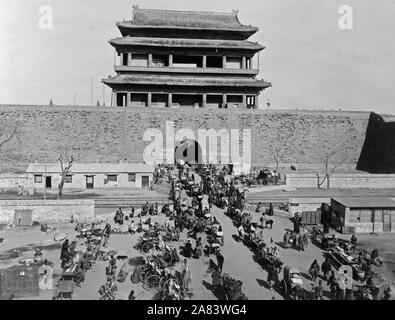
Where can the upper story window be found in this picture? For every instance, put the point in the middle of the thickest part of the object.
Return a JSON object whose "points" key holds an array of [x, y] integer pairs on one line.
{"points": [[68, 179], [233, 62], [139, 60], [214, 62], [159, 60], [187, 61], [124, 58]]}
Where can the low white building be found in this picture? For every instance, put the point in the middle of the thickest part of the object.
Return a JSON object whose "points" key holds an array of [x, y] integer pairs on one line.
{"points": [[92, 175]]}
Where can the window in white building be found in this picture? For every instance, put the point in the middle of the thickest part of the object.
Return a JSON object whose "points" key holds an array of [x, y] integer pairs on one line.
{"points": [[68, 179], [112, 178], [132, 177], [38, 178]]}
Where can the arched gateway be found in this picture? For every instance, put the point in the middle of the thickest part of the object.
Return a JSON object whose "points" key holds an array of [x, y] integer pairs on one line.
{"points": [[188, 151]]}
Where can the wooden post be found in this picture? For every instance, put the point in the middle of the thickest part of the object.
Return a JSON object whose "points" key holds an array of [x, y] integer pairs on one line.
{"points": [[244, 101], [256, 102], [149, 99], [45, 182], [169, 100], [224, 62], [128, 99], [204, 62], [223, 100], [243, 63], [150, 60], [204, 100], [170, 60]]}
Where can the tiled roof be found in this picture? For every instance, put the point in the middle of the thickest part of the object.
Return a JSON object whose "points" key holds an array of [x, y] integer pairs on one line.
{"points": [[186, 81], [186, 19], [366, 202], [93, 168], [185, 43]]}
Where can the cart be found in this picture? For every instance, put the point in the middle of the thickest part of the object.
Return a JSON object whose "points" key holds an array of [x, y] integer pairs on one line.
{"points": [[232, 288], [292, 283], [65, 286]]}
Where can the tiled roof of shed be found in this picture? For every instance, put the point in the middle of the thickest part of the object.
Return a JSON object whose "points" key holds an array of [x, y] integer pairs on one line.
{"points": [[366, 202], [185, 43]]}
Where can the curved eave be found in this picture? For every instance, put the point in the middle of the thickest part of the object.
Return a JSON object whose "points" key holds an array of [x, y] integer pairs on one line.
{"points": [[190, 82], [215, 44], [245, 29]]}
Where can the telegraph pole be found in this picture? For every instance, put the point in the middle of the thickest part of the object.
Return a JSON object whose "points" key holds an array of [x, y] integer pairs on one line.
{"points": [[103, 95], [91, 91], [45, 182]]}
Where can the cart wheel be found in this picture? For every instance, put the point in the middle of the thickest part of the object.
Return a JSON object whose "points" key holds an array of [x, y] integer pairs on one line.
{"points": [[147, 247], [156, 263], [152, 282], [162, 283], [167, 257], [145, 274]]}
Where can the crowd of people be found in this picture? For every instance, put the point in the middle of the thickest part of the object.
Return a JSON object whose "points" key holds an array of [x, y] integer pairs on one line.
{"points": [[194, 192]]}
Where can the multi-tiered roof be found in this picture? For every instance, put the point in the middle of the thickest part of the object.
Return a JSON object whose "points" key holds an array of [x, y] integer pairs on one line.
{"points": [[187, 33]]}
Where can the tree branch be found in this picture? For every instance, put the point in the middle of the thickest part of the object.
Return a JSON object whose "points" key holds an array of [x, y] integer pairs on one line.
{"points": [[13, 133]]}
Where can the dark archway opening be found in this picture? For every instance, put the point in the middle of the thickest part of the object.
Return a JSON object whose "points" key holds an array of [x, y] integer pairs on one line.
{"points": [[188, 151]]}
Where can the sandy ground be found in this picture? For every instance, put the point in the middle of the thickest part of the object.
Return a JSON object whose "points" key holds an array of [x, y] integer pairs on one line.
{"points": [[240, 262]]}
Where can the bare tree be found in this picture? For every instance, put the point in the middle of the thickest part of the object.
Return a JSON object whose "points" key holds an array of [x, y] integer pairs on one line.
{"points": [[66, 159], [337, 147], [277, 152], [331, 161], [7, 133]]}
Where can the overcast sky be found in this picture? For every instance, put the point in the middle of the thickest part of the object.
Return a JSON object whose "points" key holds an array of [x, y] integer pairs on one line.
{"points": [[310, 61]]}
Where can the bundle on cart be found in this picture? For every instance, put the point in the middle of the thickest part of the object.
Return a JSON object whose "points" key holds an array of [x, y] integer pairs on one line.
{"points": [[171, 289], [232, 288]]}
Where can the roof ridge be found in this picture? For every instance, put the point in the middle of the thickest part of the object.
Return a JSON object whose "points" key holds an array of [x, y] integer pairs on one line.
{"points": [[191, 11]]}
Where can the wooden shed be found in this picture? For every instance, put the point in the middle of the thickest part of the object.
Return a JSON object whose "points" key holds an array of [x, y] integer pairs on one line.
{"points": [[363, 214]]}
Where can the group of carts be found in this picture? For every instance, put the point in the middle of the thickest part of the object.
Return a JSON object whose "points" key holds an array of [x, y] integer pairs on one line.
{"points": [[74, 270]]}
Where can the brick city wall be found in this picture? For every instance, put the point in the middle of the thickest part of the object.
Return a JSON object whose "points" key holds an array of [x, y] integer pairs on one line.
{"points": [[377, 155], [106, 134], [342, 181]]}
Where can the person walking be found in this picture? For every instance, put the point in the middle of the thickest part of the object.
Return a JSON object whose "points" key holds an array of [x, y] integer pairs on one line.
{"points": [[272, 276], [106, 234], [286, 239], [64, 253], [326, 269], [319, 291], [220, 261], [314, 270], [333, 285], [300, 243], [186, 276], [199, 248], [305, 240], [216, 275], [343, 282]]}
